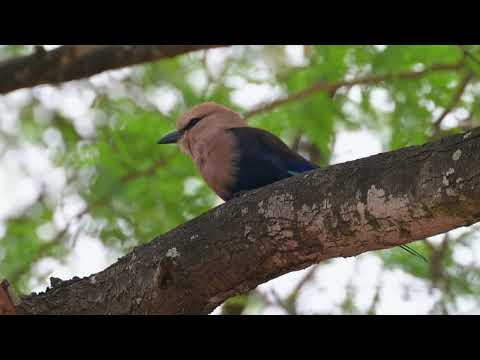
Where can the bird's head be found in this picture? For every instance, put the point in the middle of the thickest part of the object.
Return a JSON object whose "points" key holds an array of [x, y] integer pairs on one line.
{"points": [[201, 122]]}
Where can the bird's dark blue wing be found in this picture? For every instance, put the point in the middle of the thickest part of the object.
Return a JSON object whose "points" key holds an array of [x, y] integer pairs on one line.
{"points": [[262, 159]]}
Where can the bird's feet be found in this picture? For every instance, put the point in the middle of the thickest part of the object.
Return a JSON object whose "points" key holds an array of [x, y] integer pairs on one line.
{"points": [[240, 194]]}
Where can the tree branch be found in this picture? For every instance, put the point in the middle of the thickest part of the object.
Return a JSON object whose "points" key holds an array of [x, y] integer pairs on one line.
{"points": [[340, 211], [332, 87], [7, 305], [73, 62]]}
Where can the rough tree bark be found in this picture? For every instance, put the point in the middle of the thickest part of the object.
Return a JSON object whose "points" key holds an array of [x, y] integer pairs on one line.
{"points": [[344, 210], [72, 62]]}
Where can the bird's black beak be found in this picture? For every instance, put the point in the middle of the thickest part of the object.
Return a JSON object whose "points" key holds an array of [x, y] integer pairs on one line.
{"points": [[171, 138]]}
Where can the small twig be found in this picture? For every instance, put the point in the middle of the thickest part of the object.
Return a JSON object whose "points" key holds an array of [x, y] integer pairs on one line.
{"points": [[376, 298], [289, 304], [210, 78], [436, 265], [467, 53], [455, 100], [281, 303], [304, 281], [297, 140]]}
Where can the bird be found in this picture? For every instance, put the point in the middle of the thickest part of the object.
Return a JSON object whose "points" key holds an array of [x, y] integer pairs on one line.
{"points": [[232, 157]]}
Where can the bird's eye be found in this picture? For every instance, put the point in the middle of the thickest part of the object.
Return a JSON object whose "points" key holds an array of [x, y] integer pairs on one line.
{"points": [[193, 122]]}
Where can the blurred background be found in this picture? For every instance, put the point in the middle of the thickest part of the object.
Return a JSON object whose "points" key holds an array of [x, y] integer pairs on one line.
{"points": [[82, 180]]}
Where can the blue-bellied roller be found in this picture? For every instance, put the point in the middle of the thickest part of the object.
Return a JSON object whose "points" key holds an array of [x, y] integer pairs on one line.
{"points": [[232, 157]]}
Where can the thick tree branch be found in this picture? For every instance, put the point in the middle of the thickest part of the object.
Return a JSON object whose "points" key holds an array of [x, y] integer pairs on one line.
{"points": [[73, 62], [344, 210]]}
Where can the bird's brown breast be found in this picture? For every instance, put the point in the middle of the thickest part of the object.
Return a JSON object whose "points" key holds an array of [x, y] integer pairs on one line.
{"points": [[214, 157]]}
